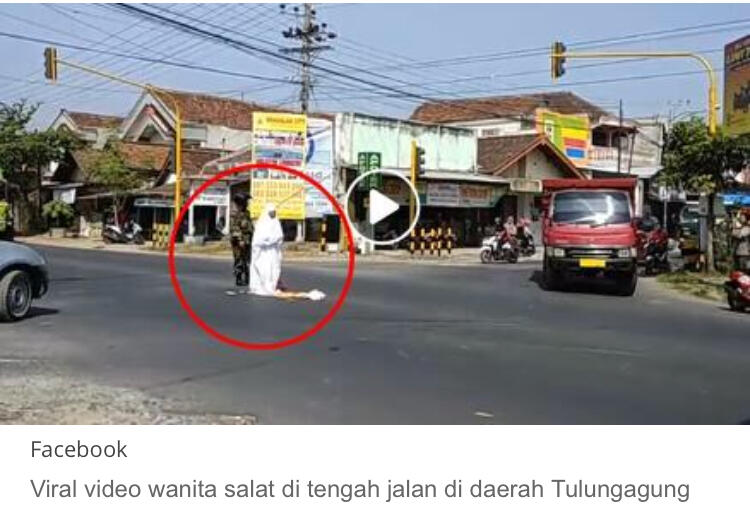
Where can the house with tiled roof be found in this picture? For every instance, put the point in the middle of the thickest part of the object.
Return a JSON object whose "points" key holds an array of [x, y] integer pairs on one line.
{"points": [[614, 145], [92, 128]]}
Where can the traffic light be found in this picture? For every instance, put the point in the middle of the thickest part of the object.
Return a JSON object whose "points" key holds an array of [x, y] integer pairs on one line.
{"points": [[418, 156], [50, 63], [558, 60]]}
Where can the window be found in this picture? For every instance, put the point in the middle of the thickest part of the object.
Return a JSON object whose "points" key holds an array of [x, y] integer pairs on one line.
{"points": [[591, 207]]}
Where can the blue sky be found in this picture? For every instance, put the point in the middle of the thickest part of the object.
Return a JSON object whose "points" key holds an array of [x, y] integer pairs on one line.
{"points": [[432, 50]]}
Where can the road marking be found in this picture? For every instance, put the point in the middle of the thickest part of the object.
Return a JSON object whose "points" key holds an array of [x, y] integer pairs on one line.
{"points": [[484, 414]]}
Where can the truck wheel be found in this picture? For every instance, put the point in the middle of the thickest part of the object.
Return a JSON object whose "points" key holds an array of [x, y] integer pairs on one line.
{"points": [[551, 280], [627, 284], [15, 296]]}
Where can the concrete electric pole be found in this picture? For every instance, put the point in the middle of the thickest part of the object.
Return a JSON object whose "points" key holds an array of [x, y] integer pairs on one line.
{"points": [[310, 35]]}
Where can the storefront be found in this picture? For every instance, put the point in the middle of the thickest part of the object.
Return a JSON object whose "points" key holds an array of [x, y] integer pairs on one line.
{"points": [[468, 204]]}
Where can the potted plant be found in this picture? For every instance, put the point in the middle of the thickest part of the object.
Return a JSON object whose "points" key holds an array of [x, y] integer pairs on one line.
{"points": [[59, 215]]}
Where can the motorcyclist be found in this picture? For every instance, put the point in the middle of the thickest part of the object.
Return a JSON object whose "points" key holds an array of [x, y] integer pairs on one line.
{"points": [[741, 236], [241, 234]]}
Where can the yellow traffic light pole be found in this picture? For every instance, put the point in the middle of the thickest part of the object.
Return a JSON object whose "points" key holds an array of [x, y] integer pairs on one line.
{"points": [[413, 178], [151, 89], [713, 104]]}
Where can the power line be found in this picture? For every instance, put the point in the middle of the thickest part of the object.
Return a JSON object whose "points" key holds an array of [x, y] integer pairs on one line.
{"points": [[142, 58]]}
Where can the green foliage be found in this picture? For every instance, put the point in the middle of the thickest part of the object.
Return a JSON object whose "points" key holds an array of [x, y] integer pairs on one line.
{"points": [[697, 162], [24, 152], [110, 171], [58, 214]]}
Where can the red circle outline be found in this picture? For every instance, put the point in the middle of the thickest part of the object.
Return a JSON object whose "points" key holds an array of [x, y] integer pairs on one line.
{"points": [[261, 346]]}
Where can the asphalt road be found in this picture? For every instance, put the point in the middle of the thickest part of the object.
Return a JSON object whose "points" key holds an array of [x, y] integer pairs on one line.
{"points": [[412, 344]]}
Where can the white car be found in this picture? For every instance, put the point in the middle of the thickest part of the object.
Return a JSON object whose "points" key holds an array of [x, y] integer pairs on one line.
{"points": [[23, 277]]}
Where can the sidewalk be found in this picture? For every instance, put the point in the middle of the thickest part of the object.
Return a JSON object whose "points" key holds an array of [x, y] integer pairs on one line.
{"points": [[293, 252]]}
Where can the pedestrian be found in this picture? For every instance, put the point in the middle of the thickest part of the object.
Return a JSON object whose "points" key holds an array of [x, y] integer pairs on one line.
{"points": [[241, 234]]}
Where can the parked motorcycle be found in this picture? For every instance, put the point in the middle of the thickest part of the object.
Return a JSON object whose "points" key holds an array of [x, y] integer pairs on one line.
{"points": [[132, 233], [499, 249], [738, 291]]}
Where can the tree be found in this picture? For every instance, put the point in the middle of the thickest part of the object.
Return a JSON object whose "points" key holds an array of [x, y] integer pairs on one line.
{"points": [[694, 161], [58, 214], [24, 153], [110, 171]]}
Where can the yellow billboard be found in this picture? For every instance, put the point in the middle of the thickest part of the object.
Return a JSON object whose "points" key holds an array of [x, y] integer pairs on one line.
{"points": [[737, 87], [278, 138], [570, 133], [279, 122]]}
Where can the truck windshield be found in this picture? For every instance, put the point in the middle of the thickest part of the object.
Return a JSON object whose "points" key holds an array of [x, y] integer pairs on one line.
{"points": [[591, 207]]}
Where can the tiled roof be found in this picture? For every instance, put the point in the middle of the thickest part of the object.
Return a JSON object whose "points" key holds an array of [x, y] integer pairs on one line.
{"points": [[144, 156], [496, 154], [213, 110], [138, 156], [193, 160], [472, 109], [92, 120]]}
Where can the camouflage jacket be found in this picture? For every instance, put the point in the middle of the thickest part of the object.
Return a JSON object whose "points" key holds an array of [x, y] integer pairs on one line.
{"points": [[241, 229]]}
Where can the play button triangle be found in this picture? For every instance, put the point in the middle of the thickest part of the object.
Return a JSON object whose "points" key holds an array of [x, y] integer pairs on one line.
{"points": [[381, 206]]}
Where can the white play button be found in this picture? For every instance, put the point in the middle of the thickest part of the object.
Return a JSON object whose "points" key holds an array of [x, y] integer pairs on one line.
{"points": [[381, 206]]}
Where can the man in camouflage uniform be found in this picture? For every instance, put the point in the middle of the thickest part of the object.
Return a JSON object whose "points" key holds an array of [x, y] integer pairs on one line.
{"points": [[241, 235]]}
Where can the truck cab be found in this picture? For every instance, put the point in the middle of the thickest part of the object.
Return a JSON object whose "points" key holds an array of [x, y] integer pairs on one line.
{"points": [[588, 230]]}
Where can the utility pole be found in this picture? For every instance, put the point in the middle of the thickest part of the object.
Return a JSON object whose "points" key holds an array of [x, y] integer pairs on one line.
{"points": [[310, 35]]}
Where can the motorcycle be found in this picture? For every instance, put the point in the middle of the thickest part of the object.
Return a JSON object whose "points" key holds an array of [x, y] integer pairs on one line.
{"points": [[131, 233], [656, 252], [499, 248], [738, 291], [525, 238]]}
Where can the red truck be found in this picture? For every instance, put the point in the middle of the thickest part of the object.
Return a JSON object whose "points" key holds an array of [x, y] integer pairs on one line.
{"points": [[589, 230]]}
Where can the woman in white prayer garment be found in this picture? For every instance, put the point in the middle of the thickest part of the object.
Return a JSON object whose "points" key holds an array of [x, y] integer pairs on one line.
{"points": [[265, 269], [266, 253]]}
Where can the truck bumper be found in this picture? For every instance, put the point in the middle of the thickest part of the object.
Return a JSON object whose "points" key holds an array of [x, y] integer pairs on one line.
{"points": [[580, 265]]}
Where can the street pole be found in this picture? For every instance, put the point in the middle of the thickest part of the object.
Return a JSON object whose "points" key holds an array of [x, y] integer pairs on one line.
{"points": [[413, 179], [713, 104], [178, 121]]}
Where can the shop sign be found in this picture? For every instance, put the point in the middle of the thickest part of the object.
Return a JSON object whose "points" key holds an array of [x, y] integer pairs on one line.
{"points": [[278, 138], [369, 161], [440, 194], [153, 203], [216, 196], [475, 196], [526, 185]]}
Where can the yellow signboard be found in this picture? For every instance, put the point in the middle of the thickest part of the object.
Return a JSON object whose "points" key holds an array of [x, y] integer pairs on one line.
{"points": [[279, 122], [279, 138], [288, 196], [737, 87], [570, 133]]}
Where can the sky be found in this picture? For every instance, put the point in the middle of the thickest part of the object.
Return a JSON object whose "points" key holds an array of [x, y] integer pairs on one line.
{"points": [[418, 51]]}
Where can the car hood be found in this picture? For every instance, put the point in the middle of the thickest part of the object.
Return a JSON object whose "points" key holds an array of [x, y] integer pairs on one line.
{"points": [[583, 235], [14, 253]]}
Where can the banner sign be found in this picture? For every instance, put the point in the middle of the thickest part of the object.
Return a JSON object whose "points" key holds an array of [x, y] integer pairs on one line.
{"points": [[215, 196], [319, 166], [280, 139], [369, 161], [441, 194], [568, 132], [737, 87], [475, 196]]}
